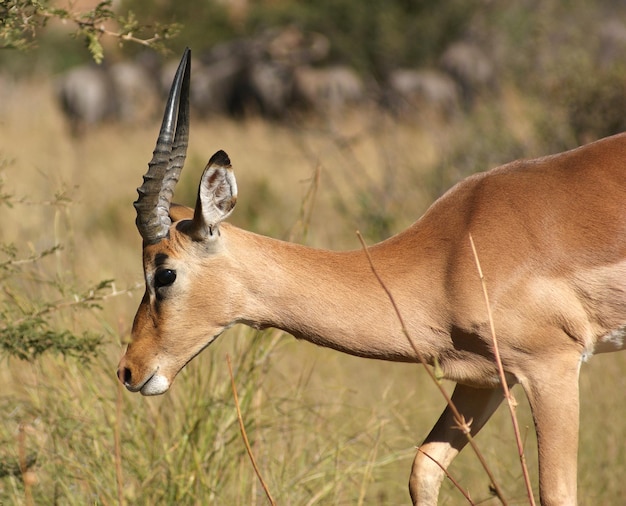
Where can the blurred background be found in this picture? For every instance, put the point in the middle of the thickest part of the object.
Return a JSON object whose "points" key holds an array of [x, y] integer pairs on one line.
{"points": [[338, 116]]}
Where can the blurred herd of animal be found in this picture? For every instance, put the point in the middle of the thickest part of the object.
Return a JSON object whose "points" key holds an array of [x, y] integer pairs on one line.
{"points": [[275, 75]]}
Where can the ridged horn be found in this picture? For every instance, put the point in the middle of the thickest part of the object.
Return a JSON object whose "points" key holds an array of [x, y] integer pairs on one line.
{"points": [[155, 194]]}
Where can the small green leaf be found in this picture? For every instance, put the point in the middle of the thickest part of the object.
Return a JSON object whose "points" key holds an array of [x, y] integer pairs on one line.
{"points": [[95, 48]]}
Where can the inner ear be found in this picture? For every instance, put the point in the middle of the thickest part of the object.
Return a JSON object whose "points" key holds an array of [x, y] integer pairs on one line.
{"points": [[178, 212], [217, 196]]}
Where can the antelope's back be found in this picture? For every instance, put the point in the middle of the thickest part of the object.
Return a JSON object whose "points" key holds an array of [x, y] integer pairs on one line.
{"points": [[563, 211]]}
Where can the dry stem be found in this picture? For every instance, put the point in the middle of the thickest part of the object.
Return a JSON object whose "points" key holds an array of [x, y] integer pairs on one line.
{"points": [[462, 424], [507, 393], [450, 477], [118, 445], [245, 436], [21, 448]]}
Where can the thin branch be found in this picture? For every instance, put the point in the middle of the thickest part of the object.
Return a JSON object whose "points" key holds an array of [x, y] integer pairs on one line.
{"points": [[512, 403], [462, 424], [129, 37], [450, 477], [27, 17], [245, 436], [35, 257], [119, 473], [92, 296], [94, 20], [117, 436], [306, 207], [24, 469]]}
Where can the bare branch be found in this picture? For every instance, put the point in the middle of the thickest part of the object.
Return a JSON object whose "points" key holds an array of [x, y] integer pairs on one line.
{"points": [[22, 20], [459, 419], [512, 403], [450, 477], [245, 436]]}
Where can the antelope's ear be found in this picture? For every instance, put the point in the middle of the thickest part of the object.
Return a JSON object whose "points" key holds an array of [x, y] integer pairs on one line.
{"points": [[217, 196]]}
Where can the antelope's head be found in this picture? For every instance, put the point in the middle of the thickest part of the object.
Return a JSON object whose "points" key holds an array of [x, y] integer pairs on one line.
{"points": [[171, 325]]}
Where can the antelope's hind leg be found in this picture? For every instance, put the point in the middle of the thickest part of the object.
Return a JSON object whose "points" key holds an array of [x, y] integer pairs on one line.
{"points": [[445, 441]]}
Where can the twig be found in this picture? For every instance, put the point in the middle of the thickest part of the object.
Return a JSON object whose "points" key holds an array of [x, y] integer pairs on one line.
{"points": [[507, 393], [450, 477], [82, 21], [307, 205], [126, 37], [245, 436], [26, 479], [367, 474], [34, 258], [462, 424], [92, 296], [118, 445]]}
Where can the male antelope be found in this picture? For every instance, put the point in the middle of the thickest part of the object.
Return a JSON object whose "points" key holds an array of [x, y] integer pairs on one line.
{"points": [[551, 238]]}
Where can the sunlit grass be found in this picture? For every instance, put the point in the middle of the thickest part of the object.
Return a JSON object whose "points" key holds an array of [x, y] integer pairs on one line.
{"points": [[325, 428]]}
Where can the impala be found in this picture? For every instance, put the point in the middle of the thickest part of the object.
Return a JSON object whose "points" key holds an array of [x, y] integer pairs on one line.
{"points": [[551, 237]]}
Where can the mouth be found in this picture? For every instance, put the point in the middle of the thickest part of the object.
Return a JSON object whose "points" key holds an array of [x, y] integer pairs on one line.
{"points": [[155, 384]]}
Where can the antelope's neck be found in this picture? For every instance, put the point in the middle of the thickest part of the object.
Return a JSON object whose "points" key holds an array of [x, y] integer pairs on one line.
{"points": [[332, 299]]}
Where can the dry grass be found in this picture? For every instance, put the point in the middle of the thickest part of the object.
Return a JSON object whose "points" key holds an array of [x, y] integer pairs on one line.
{"points": [[325, 428]]}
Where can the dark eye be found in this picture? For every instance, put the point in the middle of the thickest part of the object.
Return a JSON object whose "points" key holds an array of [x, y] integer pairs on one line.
{"points": [[164, 277]]}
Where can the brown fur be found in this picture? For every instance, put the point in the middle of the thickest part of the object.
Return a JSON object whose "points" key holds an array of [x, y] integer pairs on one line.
{"points": [[551, 238]]}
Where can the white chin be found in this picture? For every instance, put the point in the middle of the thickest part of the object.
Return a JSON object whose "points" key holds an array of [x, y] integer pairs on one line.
{"points": [[156, 385]]}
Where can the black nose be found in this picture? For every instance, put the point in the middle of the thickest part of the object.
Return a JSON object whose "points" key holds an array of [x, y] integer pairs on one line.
{"points": [[124, 375]]}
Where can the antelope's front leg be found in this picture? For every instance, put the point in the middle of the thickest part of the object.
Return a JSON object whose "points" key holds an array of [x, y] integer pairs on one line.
{"points": [[445, 441], [553, 393]]}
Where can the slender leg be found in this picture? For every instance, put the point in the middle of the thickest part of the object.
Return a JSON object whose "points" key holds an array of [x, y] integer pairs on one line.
{"points": [[444, 441], [554, 399]]}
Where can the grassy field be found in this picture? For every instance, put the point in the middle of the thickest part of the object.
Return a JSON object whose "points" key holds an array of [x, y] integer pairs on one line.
{"points": [[325, 428]]}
